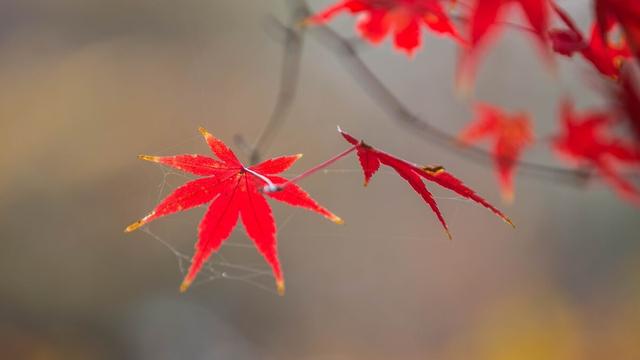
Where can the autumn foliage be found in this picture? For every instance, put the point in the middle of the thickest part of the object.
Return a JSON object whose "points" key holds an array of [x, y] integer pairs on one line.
{"points": [[402, 18], [586, 140], [371, 159], [607, 57], [603, 142], [610, 47], [233, 191]]}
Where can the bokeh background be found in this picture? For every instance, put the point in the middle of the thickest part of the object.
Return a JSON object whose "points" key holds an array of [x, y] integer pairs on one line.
{"points": [[86, 85]]}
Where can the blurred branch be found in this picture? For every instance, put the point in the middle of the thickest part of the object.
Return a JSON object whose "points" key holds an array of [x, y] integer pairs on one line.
{"points": [[293, 38]]}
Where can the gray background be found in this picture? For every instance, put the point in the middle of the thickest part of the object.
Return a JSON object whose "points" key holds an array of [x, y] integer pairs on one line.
{"points": [[86, 85]]}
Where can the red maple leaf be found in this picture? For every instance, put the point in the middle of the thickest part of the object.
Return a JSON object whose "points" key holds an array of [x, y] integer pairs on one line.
{"points": [[234, 190], [604, 55], [402, 17], [586, 141], [624, 12], [371, 159], [485, 21], [511, 134]]}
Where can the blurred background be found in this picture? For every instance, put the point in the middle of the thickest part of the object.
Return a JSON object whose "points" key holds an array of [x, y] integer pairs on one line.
{"points": [[87, 85]]}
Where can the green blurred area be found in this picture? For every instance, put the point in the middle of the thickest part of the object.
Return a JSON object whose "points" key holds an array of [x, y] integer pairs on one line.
{"points": [[87, 85]]}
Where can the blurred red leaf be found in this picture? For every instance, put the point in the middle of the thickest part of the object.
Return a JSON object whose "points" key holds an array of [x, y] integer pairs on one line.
{"points": [[403, 18], [624, 12], [371, 159], [234, 191], [605, 56], [487, 18], [586, 141], [511, 134]]}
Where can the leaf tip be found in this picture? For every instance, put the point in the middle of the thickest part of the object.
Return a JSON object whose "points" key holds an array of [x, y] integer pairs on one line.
{"points": [[508, 221], [134, 226], [185, 285], [446, 231], [148, 158], [336, 219], [203, 131], [280, 287], [139, 223]]}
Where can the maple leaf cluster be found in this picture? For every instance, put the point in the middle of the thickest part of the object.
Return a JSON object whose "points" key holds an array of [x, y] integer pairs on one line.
{"points": [[484, 19], [605, 56], [237, 191], [604, 141], [585, 139], [613, 41], [371, 159]]}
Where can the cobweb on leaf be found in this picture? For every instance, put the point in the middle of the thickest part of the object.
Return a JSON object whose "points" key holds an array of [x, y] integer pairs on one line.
{"points": [[237, 258]]}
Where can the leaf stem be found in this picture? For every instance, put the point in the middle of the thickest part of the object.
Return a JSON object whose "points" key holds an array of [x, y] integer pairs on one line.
{"points": [[270, 184], [322, 165]]}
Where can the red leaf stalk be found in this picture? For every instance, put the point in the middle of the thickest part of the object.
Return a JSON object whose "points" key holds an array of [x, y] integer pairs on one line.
{"points": [[274, 188]]}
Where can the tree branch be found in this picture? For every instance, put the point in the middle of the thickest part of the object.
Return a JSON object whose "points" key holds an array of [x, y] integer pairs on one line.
{"points": [[289, 78]]}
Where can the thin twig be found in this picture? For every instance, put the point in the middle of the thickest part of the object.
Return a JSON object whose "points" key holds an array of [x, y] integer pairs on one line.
{"points": [[289, 75]]}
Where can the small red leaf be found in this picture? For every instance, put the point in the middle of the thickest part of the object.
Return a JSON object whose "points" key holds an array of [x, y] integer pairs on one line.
{"points": [[586, 141], [511, 134], [403, 18], [413, 173]]}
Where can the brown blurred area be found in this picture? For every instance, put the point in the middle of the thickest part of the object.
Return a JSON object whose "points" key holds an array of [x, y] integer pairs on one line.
{"points": [[86, 85]]}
